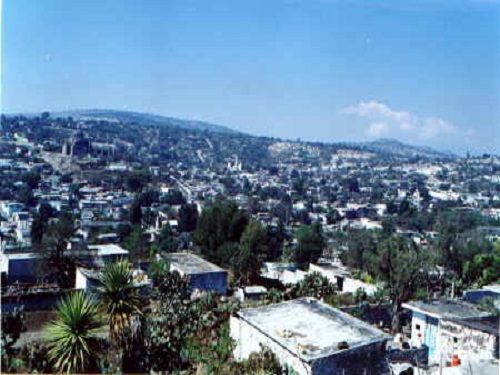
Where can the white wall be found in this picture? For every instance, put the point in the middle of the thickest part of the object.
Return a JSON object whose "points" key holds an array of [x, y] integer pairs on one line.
{"points": [[80, 280], [248, 340]]}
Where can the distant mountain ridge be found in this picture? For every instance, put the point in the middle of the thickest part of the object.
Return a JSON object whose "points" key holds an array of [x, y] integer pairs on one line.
{"points": [[141, 118], [380, 146], [395, 147]]}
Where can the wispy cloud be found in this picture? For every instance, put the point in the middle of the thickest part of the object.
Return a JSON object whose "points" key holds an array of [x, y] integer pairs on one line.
{"points": [[382, 120]]}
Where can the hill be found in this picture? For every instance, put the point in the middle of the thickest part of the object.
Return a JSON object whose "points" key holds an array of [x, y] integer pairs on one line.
{"points": [[390, 147], [142, 119], [395, 147]]}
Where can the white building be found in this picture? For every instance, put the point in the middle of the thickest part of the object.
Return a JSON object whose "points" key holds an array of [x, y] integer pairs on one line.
{"points": [[202, 274], [453, 328], [342, 278], [310, 337]]}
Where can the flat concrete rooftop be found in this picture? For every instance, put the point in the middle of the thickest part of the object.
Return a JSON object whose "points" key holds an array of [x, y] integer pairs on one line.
{"points": [[191, 264], [446, 309], [311, 329], [108, 249]]}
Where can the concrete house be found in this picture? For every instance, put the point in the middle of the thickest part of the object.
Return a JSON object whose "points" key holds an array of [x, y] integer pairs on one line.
{"points": [[487, 291], [203, 275], [310, 337], [453, 328], [20, 267], [342, 278]]}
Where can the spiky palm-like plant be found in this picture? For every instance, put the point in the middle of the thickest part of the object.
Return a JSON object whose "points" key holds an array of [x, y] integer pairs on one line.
{"points": [[119, 297], [72, 335]]}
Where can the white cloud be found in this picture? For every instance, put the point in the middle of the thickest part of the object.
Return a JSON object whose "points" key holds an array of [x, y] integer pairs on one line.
{"points": [[377, 129], [383, 120]]}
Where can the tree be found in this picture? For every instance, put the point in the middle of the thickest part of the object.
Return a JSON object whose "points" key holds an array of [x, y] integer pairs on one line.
{"points": [[31, 179], [55, 241], [333, 216], [12, 327], [218, 225], [136, 242], [275, 238], [39, 225], [166, 240], [121, 301], [136, 212], [170, 322], [388, 227], [173, 197], [25, 196], [398, 264], [311, 243], [59, 234], [359, 244], [73, 334], [483, 269], [157, 269], [45, 211], [38, 228], [251, 253], [314, 285], [188, 217], [136, 180]]}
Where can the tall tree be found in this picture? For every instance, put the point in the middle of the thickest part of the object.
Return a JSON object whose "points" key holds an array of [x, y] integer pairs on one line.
{"points": [[188, 217], [166, 240], [218, 225], [398, 264], [135, 212], [58, 235], [170, 321], [251, 253], [311, 243]]}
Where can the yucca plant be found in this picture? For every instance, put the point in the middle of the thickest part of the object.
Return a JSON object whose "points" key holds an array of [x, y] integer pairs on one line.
{"points": [[120, 299], [73, 335]]}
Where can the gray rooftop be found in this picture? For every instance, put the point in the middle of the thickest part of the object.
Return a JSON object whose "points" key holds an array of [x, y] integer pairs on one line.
{"points": [[108, 249], [311, 329], [446, 309], [191, 264]]}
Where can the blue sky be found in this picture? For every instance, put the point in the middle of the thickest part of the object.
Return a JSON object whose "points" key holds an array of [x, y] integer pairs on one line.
{"points": [[425, 72]]}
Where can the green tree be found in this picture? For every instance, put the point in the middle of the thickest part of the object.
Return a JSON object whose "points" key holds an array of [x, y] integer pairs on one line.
{"points": [[314, 285], [121, 301], [333, 216], [32, 179], [137, 180], [398, 264], [136, 242], [218, 225], [12, 327], [73, 334], [40, 225], [483, 269], [25, 195], [188, 217], [166, 240], [311, 243], [170, 322], [360, 243], [59, 234], [55, 242], [252, 252], [135, 214]]}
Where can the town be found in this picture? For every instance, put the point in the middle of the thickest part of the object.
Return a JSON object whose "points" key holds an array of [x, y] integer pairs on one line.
{"points": [[136, 243]]}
